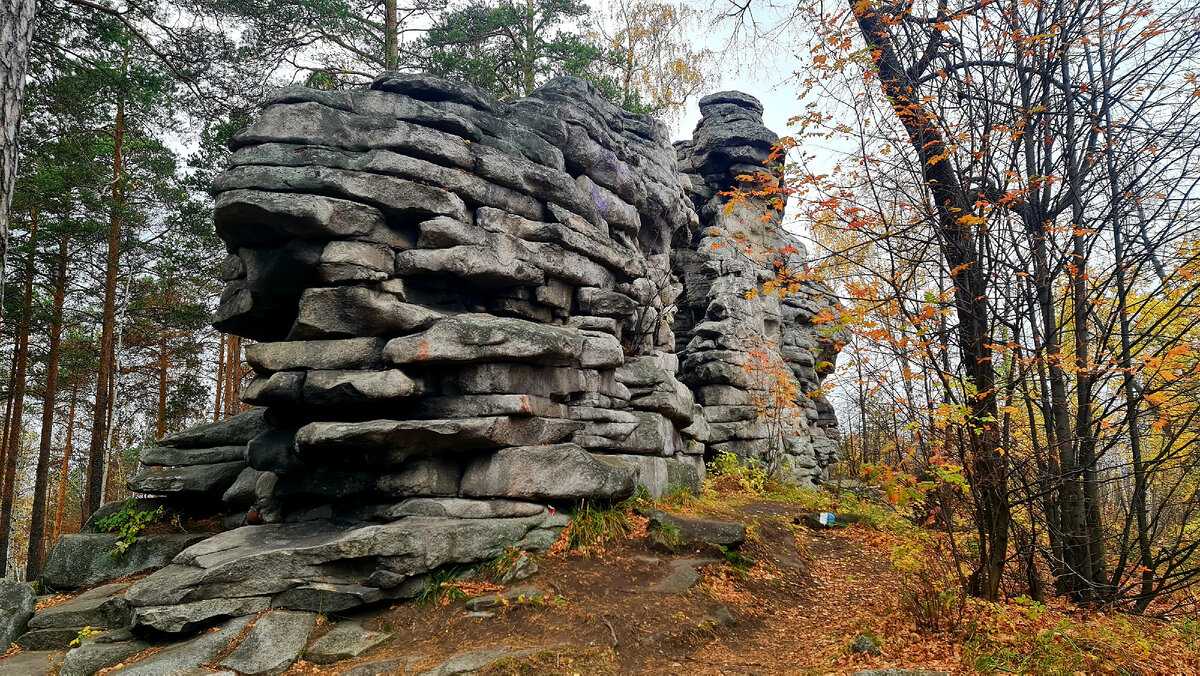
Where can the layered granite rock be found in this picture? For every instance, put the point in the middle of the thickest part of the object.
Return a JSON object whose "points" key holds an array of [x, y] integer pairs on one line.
{"points": [[749, 310], [467, 320]]}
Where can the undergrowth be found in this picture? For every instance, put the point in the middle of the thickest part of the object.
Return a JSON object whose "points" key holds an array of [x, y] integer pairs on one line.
{"points": [[594, 525], [128, 522]]}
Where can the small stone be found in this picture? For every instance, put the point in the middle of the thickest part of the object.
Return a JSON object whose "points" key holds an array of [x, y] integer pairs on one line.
{"points": [[681, 579], [864, 645], [686, 529], [522, 569], [480, 615], [506, 598], [345, 641], [273, 644]]}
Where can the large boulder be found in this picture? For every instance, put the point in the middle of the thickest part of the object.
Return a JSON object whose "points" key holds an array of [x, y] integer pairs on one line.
{"points": [[17, 602], [84, 559]]}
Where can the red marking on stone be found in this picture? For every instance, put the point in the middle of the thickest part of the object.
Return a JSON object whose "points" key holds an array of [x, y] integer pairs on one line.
{"points": [[422, 351]]}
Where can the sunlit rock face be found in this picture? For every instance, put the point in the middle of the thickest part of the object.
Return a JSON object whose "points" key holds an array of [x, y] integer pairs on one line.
{"points": [[469, 316]]}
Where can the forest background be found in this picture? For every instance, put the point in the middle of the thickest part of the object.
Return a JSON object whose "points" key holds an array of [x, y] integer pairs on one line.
{"points": [[1002, 194]]}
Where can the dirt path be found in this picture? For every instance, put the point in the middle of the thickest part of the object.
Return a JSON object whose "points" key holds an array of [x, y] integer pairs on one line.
{"points": [[796, 611]]}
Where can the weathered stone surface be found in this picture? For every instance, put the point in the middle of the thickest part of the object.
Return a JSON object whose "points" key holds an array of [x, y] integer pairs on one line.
{"points": [[273, 644], [236, 430], [97, 608], [183, 656], [39, 663], [345, 641], [472, 661], [680, 579], [522, 569], [82, 559], [161, 456], [187, 480], [477, 338], [466, 509], [340, 388], [725, 533], [189, 616], [347, 353], [90, 658], [563, 472], [270, 559], [355, 311], [58, 638], [394, 441], [17, 602], [507, 597]]}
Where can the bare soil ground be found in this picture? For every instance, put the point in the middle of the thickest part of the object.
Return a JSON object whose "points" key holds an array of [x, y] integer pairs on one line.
{"points": [[807, 597]]}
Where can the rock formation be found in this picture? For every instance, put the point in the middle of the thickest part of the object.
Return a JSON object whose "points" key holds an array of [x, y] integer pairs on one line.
{"points": [[470, 313]]}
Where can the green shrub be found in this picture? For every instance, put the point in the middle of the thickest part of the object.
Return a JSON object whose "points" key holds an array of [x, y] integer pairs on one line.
{"points": [[128, 522], [592, 526]]}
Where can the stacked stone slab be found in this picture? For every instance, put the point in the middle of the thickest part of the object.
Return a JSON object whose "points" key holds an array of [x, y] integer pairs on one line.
{"points": [[722, 317], [465, 315]]}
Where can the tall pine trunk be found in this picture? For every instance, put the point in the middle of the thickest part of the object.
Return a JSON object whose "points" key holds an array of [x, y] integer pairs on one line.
{"points": [[97, 455], [160, 426], [18, 405], [37, 520], [64, 467]]}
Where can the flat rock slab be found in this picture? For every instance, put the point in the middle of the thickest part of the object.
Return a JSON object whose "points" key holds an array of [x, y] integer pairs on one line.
{"points": [[190, 616], [724, 533], [100, 607], [92, 657], [514, 596], [343, 642], [237, 430], [48, 639], [273, 644], [17, 603], [40, 663], [82, 559], [680, 580], [395, 665], [470, 662], [190, 655]]}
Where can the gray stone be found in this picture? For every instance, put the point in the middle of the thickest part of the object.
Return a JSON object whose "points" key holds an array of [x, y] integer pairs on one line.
{"points": [[866, 646], [391, 442], [190, 616], [242, 492], [59, 638], [339, 388], [17, 602], [514, 596], [394, 665], [680, 579], [522, 569], [724, 533], [190, 480], [345, 641], [324, 598], [90, 658], [99, 607], [465, 509], [355, 311], [255, 218], [476, 338], [347, 353], [183, 656], [83, 559], [473, 405], [474, 660], [162, 456], [273, 644], [563, 472], [40, 663], [276, 389], [236, 430]]}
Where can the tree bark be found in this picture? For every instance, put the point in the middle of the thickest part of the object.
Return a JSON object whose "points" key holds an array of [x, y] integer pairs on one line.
{"points": [[18, 405], [37, 519], [391, 36], [220, 379], [160, 429], [97, 456], [64, 467], [988, 465], [16, 34]]}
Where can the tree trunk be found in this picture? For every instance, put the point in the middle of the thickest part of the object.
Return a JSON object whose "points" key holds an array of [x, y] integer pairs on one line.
{"points": [[37, 519], [160, 429], [18, 405], [220, 378], [96, 452], [391, 36], [16, 33], [988, 465], [64, 467]]}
